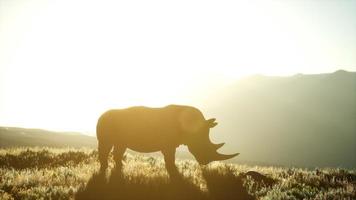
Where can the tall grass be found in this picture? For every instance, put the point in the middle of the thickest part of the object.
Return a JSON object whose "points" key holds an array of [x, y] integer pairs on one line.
{"points": [[47, 173]]}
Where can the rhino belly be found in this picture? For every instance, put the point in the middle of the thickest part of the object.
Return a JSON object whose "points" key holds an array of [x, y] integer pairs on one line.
{"points": [[146, 140]]}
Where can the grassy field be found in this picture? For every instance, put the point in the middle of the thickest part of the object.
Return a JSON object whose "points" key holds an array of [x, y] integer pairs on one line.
{"points": [[47, 173]]}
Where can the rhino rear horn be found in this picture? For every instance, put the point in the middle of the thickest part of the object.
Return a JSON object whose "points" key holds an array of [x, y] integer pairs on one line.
{"points": [[218, 146]]}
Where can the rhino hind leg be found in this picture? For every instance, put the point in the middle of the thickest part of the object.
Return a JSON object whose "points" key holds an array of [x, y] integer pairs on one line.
{"points": [[104, 150], [118, 155], [169, 159]]}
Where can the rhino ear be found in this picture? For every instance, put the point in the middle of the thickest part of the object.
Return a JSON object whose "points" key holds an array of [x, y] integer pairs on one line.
{"points": [[211, 122]]}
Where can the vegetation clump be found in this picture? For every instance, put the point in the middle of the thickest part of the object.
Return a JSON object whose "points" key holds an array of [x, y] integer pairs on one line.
{"points": [[50, 173]]}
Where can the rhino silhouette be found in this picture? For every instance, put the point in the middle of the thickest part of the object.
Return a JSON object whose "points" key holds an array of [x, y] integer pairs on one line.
{"points": [[145, 129]]}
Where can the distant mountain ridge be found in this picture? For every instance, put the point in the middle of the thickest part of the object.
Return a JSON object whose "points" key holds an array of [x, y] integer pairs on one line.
{"points": [[301, 120], [15, 137]]}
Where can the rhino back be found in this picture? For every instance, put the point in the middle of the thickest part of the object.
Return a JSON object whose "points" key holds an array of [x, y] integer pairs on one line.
{"points": [[141, 127]]}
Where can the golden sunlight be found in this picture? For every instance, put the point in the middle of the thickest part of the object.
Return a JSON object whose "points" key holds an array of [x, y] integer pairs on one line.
{"points": [[61, 61], [185, 99]]}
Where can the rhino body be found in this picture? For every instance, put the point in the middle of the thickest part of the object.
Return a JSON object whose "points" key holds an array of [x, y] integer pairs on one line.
{"points": [[145, 129]]}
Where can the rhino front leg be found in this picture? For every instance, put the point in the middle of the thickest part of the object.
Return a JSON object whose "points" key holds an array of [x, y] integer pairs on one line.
{"points": [[118, 155], [169, 159]]}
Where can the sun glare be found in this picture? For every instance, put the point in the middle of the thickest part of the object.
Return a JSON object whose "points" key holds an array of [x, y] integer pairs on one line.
{"points": [[65, 62]]}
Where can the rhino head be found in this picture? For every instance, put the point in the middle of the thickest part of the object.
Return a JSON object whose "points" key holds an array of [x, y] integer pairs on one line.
{"points": [[198, 140]]}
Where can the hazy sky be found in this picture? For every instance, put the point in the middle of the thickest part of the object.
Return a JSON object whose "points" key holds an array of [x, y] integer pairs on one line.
{"points": [[63, 62]]}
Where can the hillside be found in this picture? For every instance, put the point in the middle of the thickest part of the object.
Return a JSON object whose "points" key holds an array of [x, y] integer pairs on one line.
{"points": [[301, 120], [59, 174], [17, 137]]}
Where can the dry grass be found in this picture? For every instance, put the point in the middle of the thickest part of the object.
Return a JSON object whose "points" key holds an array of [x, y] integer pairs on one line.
{"points": [[46, 173]]}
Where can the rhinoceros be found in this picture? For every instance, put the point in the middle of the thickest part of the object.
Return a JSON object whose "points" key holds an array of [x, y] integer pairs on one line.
{"points": [[146, 129]]}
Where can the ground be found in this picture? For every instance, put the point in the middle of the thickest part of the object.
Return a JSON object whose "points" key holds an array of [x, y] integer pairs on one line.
{"points": [[48, 173]]}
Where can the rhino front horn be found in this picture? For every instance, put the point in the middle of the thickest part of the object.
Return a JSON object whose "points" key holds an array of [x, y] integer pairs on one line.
{"points": [[219, 156]]}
